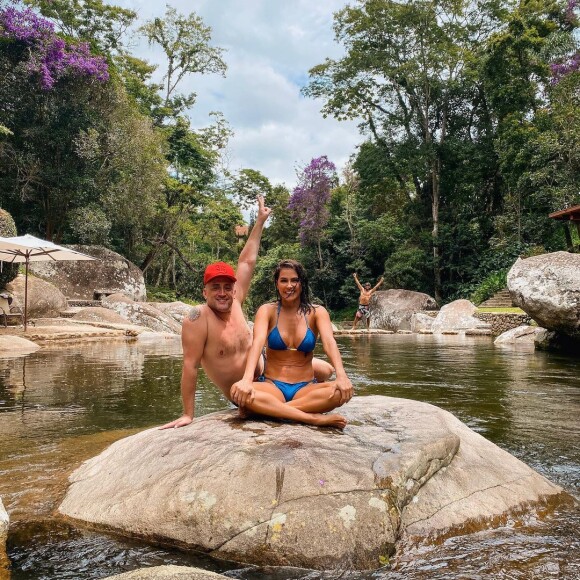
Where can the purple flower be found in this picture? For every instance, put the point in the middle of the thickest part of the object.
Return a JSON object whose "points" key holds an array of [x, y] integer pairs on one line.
{"points": [[50, 57]]}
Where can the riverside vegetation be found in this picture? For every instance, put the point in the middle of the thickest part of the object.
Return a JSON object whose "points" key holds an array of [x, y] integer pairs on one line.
{"points": [[469, 115]]}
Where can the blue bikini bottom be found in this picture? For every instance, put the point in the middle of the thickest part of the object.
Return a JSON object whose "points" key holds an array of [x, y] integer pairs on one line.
{"points": [[288, 389]]}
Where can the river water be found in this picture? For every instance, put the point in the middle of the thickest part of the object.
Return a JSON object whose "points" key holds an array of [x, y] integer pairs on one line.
{"points": [[60, 406]]}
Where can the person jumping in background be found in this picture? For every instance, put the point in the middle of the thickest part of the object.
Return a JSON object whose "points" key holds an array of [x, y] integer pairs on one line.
{"points": [[363, 310]]}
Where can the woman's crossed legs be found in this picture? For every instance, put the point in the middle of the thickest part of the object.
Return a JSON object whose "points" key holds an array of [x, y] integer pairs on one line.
{"points": [[307, 405]]}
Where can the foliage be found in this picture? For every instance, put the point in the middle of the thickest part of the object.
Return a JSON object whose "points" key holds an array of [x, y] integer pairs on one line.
{"points": [[493, 283], [46, 55], [7, 230]]}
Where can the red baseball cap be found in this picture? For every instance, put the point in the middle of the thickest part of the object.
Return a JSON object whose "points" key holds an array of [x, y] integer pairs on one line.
{"points": [[219, 269]]}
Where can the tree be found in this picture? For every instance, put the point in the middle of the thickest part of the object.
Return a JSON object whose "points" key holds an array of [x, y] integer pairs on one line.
{"points": [[408, 75], [93, 21], [309, 200], [185, 40]]}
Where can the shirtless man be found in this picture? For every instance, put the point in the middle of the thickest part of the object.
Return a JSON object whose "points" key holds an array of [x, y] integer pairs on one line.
{"points": [[215, 335], [363, 301]]}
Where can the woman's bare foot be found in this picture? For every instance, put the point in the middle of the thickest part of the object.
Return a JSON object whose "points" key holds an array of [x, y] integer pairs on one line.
{"points": [[333, 420], [243, 413]]}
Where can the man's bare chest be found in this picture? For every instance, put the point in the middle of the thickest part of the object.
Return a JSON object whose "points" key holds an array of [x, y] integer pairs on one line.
{"points": [[228, 340]]}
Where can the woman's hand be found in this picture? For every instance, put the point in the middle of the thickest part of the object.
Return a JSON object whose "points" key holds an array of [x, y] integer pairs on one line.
{"points": [[343, 385], [242, 393]]}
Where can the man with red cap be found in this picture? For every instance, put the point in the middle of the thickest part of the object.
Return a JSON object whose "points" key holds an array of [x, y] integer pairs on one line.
{"points": [[215, 335]]}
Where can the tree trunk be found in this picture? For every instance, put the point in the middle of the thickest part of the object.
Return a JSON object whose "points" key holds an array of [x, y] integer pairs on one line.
{"points": [[435, 198]]}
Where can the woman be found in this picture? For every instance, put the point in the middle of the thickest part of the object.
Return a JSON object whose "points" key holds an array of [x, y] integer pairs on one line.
{"points": [[287, 388]]}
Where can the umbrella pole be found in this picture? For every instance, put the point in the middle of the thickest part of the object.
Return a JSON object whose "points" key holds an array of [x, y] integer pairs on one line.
{"points": [[25, 293]]}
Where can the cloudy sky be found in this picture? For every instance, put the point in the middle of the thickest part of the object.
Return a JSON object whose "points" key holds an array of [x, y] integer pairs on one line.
{"points": [[271, 45]]}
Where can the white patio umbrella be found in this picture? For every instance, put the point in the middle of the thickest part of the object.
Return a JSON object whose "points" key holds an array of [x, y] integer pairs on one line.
{"points": [[26, 249]]}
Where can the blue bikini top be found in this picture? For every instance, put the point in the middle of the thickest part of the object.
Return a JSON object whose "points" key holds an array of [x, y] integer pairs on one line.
{"points": [[275, 341]]}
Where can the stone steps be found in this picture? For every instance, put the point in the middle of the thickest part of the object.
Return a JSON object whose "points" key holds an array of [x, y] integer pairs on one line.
{"points": [[501, 299], [74, 303]]}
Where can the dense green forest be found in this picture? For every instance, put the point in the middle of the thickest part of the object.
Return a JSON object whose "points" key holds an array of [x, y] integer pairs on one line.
{"points": [[469, 115]]}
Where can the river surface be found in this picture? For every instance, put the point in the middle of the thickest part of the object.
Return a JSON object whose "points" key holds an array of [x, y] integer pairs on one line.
{"points": [[60, 406]]}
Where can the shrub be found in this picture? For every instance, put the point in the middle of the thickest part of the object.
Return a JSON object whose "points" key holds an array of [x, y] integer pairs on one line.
{"points": [[493, 283], [7, 230]]}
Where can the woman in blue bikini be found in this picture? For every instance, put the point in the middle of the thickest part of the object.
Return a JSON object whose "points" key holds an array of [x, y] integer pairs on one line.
{"points": [[289, 327]]}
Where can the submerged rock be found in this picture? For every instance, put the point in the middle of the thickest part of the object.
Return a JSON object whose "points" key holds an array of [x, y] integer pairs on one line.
{"points": [[547, 287], [393, 309], [272, 493], [11, 345], [167, 573], [521, 335]]}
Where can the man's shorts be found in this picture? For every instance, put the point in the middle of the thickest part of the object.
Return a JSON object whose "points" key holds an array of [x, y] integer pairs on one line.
{"points": [[363, 311]]}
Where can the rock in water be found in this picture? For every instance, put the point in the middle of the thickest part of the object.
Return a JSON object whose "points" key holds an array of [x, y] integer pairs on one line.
{"points": [[393, 309], [167, 573], [272, 493], [547, 287]]}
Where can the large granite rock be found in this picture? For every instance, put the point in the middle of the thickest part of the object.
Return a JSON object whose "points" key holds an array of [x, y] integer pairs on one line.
{"points": [[141, 313], [393, 309], [458, 316], [177, 310], [99, 314], [167, 573], [547, 287], [4, 520], [274, 493], [45, 300], [110, 272]]}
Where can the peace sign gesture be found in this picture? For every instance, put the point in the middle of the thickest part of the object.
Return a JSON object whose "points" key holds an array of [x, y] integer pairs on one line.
{"points": [[263, 211]]}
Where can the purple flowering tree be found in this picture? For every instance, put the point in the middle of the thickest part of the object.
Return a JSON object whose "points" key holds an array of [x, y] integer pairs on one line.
{"points": [[310, 198], [571, 62], [50, 57]]}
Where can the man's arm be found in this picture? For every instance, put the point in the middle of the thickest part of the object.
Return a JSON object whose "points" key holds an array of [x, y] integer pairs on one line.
{"points": [[249, 255], [377, 286], [193, 338], [242, 391], [342, 382], [357, 282]]}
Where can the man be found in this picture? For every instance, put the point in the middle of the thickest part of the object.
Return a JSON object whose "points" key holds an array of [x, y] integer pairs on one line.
{"points": [[366, 292], [215, 335]]}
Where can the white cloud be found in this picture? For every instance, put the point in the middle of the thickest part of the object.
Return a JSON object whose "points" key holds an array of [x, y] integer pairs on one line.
{"points": [[271, 45]]}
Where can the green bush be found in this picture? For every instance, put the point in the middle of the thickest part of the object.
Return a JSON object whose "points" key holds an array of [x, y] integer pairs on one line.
{"points": [[493, 283], [7, 230]]}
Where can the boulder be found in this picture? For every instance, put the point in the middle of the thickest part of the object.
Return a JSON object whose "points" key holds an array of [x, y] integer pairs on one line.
{"points": [[421, 322], [458, 316], [99, 314], [3, 535], [522, 335], [554, 341], [11, 345], [141, 313], [393, 309], [547, 287], [109, 273], [167, 573], [177, 310], [272, 493], [44, 299]]}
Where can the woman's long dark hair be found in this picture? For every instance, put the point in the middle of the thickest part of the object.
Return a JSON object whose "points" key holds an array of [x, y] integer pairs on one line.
{"points": [[305, 304]]}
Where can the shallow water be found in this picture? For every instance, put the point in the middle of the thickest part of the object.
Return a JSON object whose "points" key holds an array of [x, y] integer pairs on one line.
{"points": [[60, 406]]}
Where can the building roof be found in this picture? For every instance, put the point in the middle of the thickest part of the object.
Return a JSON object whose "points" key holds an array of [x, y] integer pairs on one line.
{"points": [[242, 231], [569, 214]]}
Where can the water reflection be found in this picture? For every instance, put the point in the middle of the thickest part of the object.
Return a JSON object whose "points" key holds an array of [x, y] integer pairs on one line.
{"points": [[59, 407]]}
